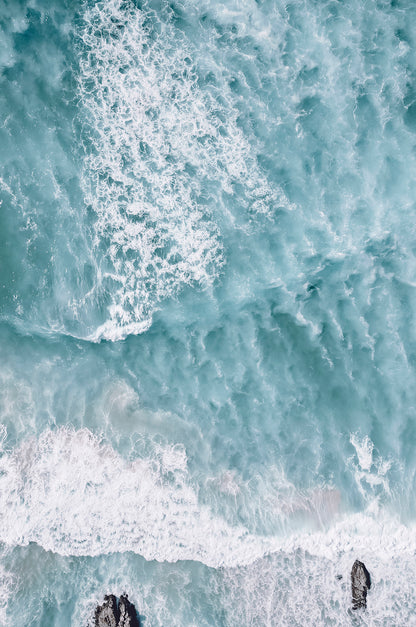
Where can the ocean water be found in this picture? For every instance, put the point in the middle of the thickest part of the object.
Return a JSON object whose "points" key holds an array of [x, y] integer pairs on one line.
{"points": [[207, 310]]}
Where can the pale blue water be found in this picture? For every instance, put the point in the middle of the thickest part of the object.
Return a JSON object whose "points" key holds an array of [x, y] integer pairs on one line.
{"points": [[207, 310]]}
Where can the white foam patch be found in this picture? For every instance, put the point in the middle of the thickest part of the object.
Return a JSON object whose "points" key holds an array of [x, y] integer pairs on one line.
{"points": [[74, 495], [307, 580], [300, 588], [364, 449], [161, 150], [371, 472]]}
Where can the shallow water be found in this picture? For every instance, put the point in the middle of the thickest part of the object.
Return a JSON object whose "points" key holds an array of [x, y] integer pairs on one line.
{"points": [[207, 304]]}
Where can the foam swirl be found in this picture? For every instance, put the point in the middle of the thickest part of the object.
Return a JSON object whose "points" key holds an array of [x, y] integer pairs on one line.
{"points": [[161, 150]]}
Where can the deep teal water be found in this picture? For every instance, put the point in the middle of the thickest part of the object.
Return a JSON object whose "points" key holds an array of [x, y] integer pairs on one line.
{"points": [[207, 310]]}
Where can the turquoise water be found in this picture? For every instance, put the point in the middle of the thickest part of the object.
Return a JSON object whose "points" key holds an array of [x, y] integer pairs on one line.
{"points": [[207, 305]]}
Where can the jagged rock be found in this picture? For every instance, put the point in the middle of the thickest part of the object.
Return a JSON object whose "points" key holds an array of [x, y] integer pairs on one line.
{"points": [[107, 614], [360, 583], [128, 615], [111, 614]]}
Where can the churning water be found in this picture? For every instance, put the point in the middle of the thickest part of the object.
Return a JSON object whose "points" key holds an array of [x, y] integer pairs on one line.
{"points": [[207, 310]]}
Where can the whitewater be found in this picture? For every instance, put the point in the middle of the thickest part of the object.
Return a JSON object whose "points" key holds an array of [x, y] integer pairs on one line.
{"points": [[207, 310]]}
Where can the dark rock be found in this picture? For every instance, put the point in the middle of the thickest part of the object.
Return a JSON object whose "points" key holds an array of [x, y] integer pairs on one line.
{"points": [[360, 584], [107, 614], [111, 614], [128, 614]]}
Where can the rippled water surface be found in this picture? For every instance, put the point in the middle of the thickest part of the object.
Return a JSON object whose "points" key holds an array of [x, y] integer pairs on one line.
{"points": [[207, 310]]}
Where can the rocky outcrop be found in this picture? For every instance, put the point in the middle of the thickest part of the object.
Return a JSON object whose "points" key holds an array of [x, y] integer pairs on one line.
{"points": [[360, 584], [113, 614], [128, 614], [107, 614]]}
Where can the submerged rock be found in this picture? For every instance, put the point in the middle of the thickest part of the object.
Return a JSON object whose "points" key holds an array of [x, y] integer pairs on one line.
{"points": [[111, 614], [360, 584]]}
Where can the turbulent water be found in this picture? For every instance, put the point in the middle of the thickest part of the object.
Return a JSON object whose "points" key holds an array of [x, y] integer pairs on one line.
{"points": [[207, 310]]}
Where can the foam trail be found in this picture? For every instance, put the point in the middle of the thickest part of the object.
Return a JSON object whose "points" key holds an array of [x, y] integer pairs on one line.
{"points": [[371, 474]]}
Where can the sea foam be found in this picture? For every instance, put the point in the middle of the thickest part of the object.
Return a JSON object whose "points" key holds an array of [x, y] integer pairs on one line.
{"points": [[73, 494], [161, 150]]}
